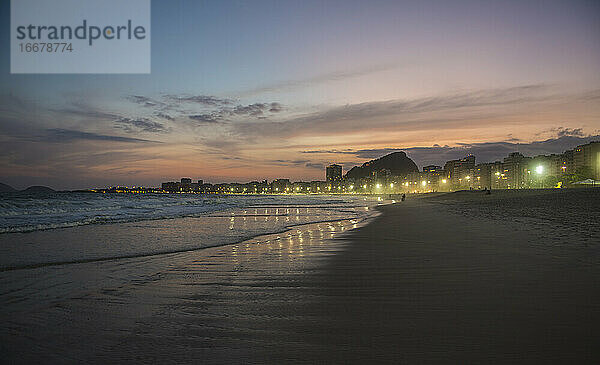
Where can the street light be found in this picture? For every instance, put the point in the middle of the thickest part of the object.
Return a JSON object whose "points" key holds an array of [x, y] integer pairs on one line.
{"points": [[539, 169]]}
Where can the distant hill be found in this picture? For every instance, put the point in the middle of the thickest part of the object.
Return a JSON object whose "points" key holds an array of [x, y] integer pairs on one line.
{"points": [[398, 164], [38, 189], [6, 188]]}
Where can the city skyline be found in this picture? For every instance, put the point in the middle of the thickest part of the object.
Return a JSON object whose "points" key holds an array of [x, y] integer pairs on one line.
{"points": [[514, 171], [240, 92]]}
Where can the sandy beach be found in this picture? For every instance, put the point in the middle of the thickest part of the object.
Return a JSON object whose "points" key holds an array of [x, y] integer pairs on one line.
{"points": [[455, 278], [438, 281]]}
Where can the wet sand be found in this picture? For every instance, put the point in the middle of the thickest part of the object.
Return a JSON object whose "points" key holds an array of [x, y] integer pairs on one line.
{"points": [[432, 280], [424, 283]]}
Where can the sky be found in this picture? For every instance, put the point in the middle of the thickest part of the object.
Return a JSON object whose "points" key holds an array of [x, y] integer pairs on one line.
{"points": [[252, 90]]}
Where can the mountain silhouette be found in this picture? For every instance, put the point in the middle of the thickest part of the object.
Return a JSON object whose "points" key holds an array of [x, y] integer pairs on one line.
{"points": [[397, 163], [38, 189], [6, 188]]}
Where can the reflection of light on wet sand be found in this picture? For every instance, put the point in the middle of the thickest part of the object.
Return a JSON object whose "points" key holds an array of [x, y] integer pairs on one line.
{"points": [[299, 238], [218, 282], [197, 276]]}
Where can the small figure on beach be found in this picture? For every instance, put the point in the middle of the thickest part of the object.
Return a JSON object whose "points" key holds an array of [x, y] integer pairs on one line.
{"points": [[403, 197]]}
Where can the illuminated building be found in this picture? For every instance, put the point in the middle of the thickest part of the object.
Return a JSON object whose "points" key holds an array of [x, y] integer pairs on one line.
{"points": [[458, 170], [280, 186], [333, 173], [587, 156]]}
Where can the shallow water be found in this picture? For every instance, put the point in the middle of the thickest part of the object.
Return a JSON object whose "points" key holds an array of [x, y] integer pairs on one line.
{"points": [[163, 307], [27, 212], [252, 216], [108, 292]]}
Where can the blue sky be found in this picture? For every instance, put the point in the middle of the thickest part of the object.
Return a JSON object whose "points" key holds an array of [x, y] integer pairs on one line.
{"points": [[242, 90]]}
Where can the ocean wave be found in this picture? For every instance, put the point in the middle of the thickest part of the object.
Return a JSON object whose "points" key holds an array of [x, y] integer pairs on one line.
{"points": [[63, 210]]}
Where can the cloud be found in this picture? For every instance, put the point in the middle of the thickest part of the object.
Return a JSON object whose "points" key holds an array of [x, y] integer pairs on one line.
{"points": [[256, 110], [252, 109], [289, 85], [86, 111], [140, 125], [415, 114], [564, 132], [204, 108], [290, 162], [314, 165], [143, 100], [66, 135], [207, 118], [276, 108], [164, 116], [207, 100]]}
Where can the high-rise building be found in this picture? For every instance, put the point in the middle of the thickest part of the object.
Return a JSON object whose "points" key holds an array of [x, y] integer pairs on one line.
{"points": [[333, 173], [459, 172], [587, 156], [514, 170], [279, 186], [432, 168]]}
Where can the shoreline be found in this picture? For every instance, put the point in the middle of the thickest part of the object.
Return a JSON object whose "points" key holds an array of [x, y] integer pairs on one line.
{"points": [[124, 240], [420, 283], [249, 240]]}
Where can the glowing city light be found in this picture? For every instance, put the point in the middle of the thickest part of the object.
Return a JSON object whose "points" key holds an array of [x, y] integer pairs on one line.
{"points": [[378, 186], [444, 181], [391, 185], [539, 169], [423, 182]]}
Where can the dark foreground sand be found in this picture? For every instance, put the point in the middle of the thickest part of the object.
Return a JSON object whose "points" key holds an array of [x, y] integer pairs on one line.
{"points": [[425, 284], [459, 279]]}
